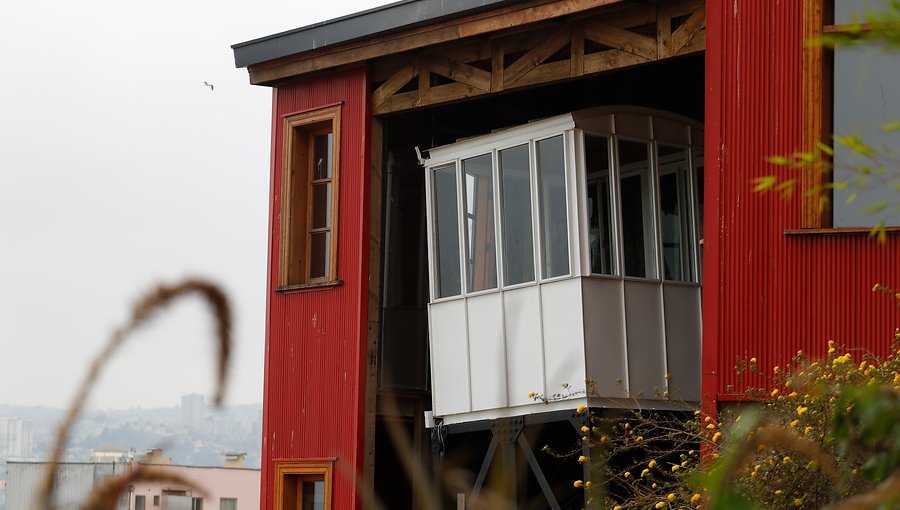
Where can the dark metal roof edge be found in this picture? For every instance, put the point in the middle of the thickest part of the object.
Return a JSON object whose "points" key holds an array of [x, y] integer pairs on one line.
{"points": [[378, 20]]}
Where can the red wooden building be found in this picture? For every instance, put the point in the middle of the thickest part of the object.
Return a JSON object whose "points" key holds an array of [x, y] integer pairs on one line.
{"points": [[473, 199]]}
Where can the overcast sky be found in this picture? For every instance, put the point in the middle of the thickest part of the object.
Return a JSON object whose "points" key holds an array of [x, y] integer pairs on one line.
{"points": [[119, 169]]}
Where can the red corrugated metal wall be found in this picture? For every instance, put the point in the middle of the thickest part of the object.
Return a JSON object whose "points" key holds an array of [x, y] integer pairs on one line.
{"points": [[767, 294], [315, 339]]}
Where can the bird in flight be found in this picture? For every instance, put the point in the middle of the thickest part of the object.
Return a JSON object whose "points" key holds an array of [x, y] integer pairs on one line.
{"points": [[210, 85]]}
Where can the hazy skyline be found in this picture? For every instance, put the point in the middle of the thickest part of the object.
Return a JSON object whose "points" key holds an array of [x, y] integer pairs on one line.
{"points": [[119, 168]]}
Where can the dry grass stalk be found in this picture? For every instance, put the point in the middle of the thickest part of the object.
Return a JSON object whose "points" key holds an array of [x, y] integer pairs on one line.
{"points": [[888, 490], [153, 301]]}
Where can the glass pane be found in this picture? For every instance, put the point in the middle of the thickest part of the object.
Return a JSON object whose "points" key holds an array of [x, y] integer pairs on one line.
{"points": [[552, 196], [321, 205], [322, 156], [313, 496], [596, 159], [637, 217], [866, 96], [675, 223], [518, 243], [319, 243], [481, 260], [446, 217]]}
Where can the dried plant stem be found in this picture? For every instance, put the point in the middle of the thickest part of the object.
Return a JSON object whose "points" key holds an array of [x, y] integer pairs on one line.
{"points": [[888, 490], [106, 495], [154, 300]]}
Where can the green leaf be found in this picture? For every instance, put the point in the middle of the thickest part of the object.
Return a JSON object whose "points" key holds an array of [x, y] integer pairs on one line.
{"points": [[826, 148], [778, 160], [891, 126], [765, 183], [852, 197]]}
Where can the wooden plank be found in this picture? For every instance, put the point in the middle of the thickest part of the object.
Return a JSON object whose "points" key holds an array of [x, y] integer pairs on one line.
{"points": [[395, 83], [690, 28], [460, 72], [610, 59], [497, 57], [663, 32], [370, 48], [576, 50], [545, 73], [386, 67], [698, 43], [373, 332], [535, 57], [620, 39], [438, 94], [424, 79], [466, 53], [816, 88]]}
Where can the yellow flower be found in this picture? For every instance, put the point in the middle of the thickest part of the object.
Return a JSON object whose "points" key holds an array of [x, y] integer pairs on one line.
{"points": [[775, 392], [627, 474], [671, 497], [807, 430], [786, 460], [753, 361], [695, 498], [801, 410], [798, 502], [753, 474], [531, 395], [795, 423], [638, 439], [580, 409], [661, 504], [651, 464], [581, 459], [617, 507], [711, 426], [603, 439], [779, 492], [654, 485], [716, 436], [675, 467], [585, 429], [645, 472], [587, 484], [578, 483]]}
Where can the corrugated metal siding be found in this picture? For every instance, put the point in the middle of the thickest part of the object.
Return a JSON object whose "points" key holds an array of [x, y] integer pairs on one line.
{"points": [[315, 354], [774, 294]]}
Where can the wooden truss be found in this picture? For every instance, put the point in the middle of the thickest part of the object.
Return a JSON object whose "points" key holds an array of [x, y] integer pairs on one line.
{"points": [[549, 51]]}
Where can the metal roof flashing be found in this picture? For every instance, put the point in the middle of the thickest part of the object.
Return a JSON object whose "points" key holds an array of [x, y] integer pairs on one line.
{"points": [[375, 21]]}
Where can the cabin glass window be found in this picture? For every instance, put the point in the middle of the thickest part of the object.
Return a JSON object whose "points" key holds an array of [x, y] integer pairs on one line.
{"points": [[551, 173], [446, 214], [635, 189], [599, 208], [518, 243], [675, 215], [310, 172], [227, 503], [481, 256]]}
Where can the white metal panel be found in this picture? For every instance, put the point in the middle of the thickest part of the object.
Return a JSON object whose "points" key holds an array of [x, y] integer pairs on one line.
{"points": [[672, 132], [633, 126], [524, 351], [449, 357], [645, 336], [487, 352], [682, 305], [563, 330], [606, 353]]}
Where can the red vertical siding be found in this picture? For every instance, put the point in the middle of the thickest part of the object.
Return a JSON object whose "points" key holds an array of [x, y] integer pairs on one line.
{"points": [[315, 338], [767, 294]]}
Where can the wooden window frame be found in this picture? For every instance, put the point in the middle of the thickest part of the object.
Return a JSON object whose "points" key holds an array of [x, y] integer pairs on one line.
{"points": [[296, 198], [308, 470], [818, 97]]}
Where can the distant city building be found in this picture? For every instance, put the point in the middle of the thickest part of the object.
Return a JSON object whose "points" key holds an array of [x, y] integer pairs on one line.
{"points": [[193, 410], [16, 438], [210, 488]]}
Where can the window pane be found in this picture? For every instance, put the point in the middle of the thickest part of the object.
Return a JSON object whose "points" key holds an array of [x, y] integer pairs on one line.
{"points": [[140, 502], [518, 243], [321, 205], [322, 156], [596, 159], [313, 496], [319, 243], [552, 196], [866, 96], [637, 217], [675, 221], [481, 260], [446, 217], [228, 504]]}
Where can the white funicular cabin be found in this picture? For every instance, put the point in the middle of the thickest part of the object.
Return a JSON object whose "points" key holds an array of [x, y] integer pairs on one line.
{"points": [[565, 251]]}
